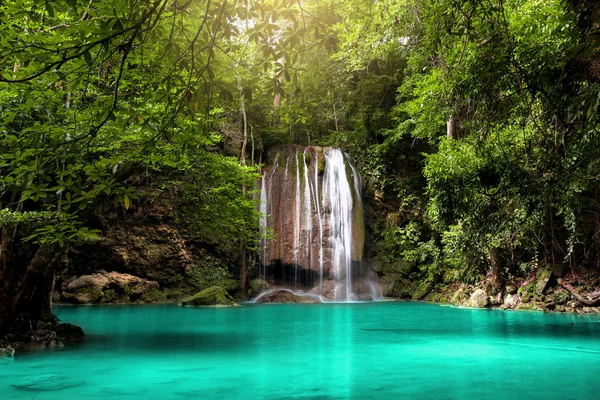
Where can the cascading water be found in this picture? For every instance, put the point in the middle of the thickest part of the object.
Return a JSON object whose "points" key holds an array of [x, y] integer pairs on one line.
{"points": [[313, 212]]}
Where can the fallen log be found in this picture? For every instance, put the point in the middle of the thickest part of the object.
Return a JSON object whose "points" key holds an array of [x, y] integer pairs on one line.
{"points": [[588, 302]]}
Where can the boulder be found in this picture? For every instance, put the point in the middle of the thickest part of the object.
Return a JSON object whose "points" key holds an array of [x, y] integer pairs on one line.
{"points": [[285, 296], [479, 299], [109, 287], [213, 296]]}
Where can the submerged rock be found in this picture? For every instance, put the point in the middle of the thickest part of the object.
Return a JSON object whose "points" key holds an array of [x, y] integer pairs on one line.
{"points": [[479, 299], [213, 296], [47, 382], [285, 296]]}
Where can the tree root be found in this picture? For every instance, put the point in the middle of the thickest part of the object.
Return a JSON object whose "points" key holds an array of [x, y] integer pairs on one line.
{"points": [[588, 302]]}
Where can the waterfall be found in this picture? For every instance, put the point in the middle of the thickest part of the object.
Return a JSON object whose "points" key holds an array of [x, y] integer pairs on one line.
{"points": [[313, 211]]}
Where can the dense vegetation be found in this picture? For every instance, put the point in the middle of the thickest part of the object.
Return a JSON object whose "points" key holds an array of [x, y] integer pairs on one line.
{"points": [[475, 123]]}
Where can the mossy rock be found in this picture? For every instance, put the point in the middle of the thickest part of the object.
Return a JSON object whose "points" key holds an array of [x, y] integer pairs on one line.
{"points": [[531, 306], [543, 281], [256, 286], [88, 295], [110, 296], [213, 296], [460, 297], [173, 294], [153, 296]]}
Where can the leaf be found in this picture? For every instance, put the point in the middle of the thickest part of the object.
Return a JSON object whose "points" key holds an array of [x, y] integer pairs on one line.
{"points": [[127, 202], [88, 57]]}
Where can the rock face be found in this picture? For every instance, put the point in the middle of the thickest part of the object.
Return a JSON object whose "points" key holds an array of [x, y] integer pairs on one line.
{"points": [[479, 299], [213, 296], [286, 296], [106, 287], [311, 202]]}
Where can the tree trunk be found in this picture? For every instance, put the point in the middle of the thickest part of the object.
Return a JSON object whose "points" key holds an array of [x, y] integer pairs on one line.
{"points": [[244, 122], [450, 127], [34, 300], [242, 263], [593, 302], [26, 299], [497, 266]]}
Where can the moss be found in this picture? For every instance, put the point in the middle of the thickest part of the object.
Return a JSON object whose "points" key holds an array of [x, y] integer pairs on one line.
{"points": [[531, 306], [213, 296], [173, 294], [320, 161], [110, 296], [256, 286], [153, 296], [124, 299]]}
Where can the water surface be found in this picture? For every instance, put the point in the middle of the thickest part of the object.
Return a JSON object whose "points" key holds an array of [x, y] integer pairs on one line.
{"points": [[313, 351]]}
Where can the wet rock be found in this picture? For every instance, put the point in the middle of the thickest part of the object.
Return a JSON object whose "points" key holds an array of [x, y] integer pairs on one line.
{"points": [[7, 352], [69, 332], [479, 299], [531, 306], [326, 289], [256, 286], [285, 296], [213, 296]]}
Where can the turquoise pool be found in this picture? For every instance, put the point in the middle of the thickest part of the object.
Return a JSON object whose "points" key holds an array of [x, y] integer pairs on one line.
{"points": [[388, 350]]}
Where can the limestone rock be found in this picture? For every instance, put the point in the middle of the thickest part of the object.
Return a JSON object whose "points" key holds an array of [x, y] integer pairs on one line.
{"points": [[543, 282], [213, 296], [108, 287], [510, 301], [479, 299], [285, 296]]}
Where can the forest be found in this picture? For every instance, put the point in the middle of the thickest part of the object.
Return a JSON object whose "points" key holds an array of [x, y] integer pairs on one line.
{"points": [[134, 134]]}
